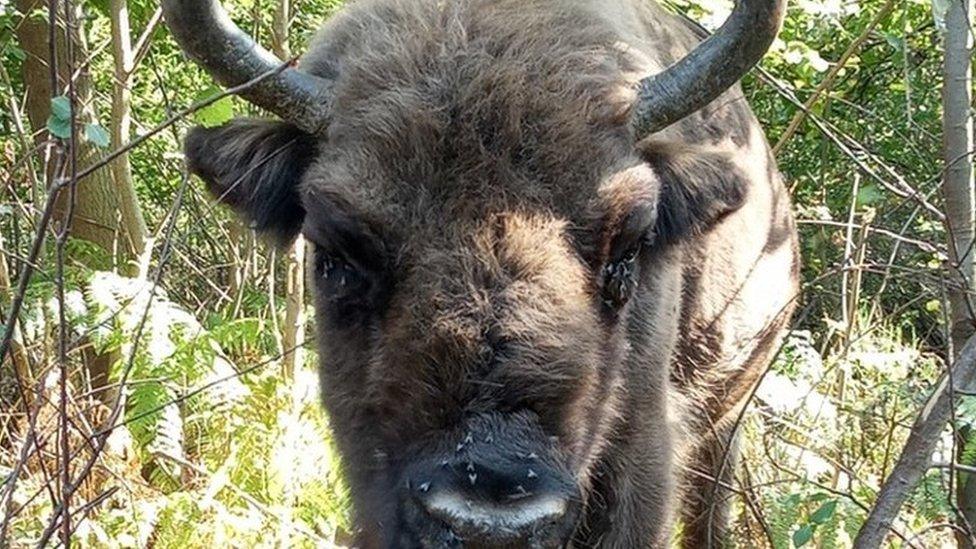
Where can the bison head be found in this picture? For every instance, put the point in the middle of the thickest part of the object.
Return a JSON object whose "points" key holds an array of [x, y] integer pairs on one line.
{"points": [[495, 242]]}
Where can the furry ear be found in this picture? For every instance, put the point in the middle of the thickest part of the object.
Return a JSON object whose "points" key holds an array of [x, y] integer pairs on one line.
{"points": [[699, 186], [255, 166]]}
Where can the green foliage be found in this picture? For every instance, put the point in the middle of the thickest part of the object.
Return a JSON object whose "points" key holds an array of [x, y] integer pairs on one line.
{"points": [[59, 123], [97, 135], [217, 113], [258, 442], [929, 499], [226, 449], [803, 535], [797, 519], [816, 458]]}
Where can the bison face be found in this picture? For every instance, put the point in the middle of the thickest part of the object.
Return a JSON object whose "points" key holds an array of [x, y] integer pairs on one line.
{"points": [[474, 330], [493, 256]]}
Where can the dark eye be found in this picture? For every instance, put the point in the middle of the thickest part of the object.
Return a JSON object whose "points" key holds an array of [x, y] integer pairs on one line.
{"points": [[337, 277], [620, 274], [620, 277]]}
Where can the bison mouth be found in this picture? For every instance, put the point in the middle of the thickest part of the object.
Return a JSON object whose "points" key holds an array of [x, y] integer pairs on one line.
{"points": [[499, 483]]}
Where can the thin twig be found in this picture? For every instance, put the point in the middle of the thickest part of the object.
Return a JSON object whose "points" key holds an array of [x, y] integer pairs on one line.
{"points": [[828, 80], [177, 117]]}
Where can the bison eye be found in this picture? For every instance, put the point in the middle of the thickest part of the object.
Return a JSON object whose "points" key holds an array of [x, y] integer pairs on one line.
{"points": [[621, 274], [620, 277], [337, 276]]}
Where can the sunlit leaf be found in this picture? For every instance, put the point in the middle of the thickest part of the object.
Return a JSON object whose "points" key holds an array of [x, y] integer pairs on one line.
{"points": [[59, 127], [97, 135], [893, 40], [61, 107], [17, 53], [868, 195], [216, 114], [824, 513], [802, 535]]}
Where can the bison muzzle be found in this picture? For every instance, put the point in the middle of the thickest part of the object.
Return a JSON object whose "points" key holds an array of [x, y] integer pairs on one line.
{"points": [[552, 256]]}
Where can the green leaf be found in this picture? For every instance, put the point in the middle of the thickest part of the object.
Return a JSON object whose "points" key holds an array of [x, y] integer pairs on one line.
{"points": [[803, 535], [16, 52], [824, 513], [61, 107], [59, 123], [97, 134], [101, 6], [893, 40], [216, 114], [868, 195], [59, 127]]}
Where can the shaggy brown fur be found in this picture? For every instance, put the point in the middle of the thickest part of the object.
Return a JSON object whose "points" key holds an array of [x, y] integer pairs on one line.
{"points": [[474, 194]]}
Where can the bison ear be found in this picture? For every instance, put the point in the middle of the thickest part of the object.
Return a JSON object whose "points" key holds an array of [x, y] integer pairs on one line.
{"points": [[698, 188], [255, 167]]}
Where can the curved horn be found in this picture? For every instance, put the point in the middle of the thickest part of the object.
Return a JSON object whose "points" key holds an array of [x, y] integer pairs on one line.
{"points": [[710, 69], [211, 39]]}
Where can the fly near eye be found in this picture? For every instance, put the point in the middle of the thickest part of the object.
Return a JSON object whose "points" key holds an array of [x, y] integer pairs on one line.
{"points": [[333, 268], [620, 278], [341, 282], [337, 270], [347, 293], [327, 265]]}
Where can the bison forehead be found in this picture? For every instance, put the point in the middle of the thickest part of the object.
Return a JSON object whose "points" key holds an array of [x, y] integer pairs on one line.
{"points": [[440, 100]]}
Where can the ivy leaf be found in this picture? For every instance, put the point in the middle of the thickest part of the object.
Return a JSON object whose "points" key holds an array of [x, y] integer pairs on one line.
{"points": [[59, 127], [824, 513], [59, 123], [803, 535], [216, 114], [61, 107], [98, 135]]}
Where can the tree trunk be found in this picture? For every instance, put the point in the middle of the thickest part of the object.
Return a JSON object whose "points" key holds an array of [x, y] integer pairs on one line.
{"points": [[960, 199], [279, 29], [958, 179], [293, 331], [132, 221], [106, 211]]}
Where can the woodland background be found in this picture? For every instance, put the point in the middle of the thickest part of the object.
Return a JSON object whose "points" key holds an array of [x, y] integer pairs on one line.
{"points": [[157, 377]]}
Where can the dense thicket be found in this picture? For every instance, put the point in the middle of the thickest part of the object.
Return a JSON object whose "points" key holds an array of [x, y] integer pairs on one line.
{"points": [[164, 295]]}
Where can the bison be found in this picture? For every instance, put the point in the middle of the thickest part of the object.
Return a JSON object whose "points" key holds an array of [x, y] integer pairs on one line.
{"points": [[552, 255]]}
